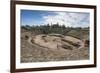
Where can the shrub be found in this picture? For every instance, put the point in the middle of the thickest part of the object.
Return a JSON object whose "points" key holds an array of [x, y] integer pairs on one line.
{"points": [[26, 37]]}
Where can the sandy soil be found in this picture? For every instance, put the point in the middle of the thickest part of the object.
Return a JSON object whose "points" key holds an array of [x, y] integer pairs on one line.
{"points": [[44, 48]]}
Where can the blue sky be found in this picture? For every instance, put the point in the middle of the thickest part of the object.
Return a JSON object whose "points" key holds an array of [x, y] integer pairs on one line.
{"points": [[73, 19]]}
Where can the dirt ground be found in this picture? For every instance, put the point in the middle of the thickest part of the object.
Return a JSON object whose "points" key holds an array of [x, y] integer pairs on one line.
{"points": [[43, 48]]}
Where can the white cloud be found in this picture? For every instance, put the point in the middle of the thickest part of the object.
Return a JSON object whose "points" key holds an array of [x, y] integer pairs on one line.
{"points": [[68, 19]]}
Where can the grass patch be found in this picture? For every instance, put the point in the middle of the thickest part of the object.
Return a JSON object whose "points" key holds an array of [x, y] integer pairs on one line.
{"points": [[78, 33]]}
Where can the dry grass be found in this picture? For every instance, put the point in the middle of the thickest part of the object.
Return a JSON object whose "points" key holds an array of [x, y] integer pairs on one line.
{"points": [[36, 53]]}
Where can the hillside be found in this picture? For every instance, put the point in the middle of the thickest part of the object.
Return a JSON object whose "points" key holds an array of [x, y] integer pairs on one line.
{"points": [[54, 43]]}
